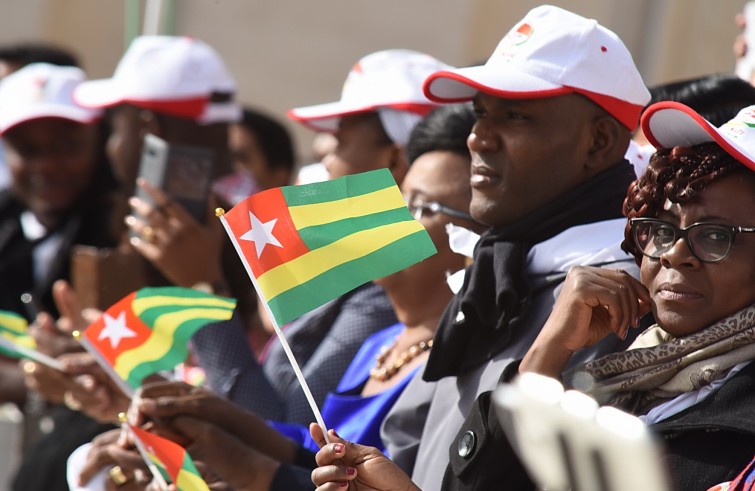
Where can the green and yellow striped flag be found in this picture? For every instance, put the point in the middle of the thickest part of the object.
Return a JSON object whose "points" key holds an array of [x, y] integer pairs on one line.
{"points": [[149, 330], [14, 335], [306, 245]]}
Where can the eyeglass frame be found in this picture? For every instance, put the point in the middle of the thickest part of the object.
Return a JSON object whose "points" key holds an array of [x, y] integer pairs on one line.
{"points": [[436, 207], [683, 233]]}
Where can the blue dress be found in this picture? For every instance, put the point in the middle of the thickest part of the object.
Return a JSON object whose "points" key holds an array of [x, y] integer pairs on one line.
{"points": [[355, 418]]}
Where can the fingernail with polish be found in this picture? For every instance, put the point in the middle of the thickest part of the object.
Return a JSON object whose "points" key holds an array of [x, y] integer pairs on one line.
{"points": [[350, 471], [338, 448]]}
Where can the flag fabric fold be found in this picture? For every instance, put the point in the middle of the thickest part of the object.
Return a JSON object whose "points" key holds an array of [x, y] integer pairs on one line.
{"points": [[149, 330], [306, 245], [14, 335], [170, 459], [16, 342]]}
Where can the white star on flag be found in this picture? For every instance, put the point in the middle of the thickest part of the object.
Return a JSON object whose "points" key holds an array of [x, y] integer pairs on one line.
{"points": [[115, 329], [261, 234]]}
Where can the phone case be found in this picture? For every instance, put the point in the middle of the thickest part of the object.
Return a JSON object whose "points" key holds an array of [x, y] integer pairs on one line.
{"points": [[183, 172]]}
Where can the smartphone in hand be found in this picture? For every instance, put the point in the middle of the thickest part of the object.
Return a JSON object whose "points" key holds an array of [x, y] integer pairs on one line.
{"points": [[183, 172]]}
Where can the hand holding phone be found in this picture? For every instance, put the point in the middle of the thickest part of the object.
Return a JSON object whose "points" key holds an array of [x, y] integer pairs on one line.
{"points": [[183, 172]]}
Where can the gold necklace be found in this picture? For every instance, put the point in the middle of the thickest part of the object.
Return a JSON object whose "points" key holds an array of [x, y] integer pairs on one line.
{"points": [[382, 374]]}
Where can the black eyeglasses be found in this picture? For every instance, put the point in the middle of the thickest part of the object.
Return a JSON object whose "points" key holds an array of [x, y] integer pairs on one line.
{"points": [[709, 242], [418, 207]]}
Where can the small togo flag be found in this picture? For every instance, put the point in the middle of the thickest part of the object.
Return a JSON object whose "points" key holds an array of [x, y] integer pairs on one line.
{"points": [[170, 460], [16, 342], [14, 335], [305, 245], [149, 330]]}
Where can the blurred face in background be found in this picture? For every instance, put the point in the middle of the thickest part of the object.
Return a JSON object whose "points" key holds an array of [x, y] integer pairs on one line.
{"points": [[52, 162], [248, 157], [362, 146]]}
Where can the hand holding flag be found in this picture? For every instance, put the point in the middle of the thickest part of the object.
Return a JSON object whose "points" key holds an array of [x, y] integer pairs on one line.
{"points": [[168, 460]]}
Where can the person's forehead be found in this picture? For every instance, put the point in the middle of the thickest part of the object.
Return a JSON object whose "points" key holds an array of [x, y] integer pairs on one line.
{"points": [[497, 101], [44, 126], [122, 111], [436, 171], [367, 119]]}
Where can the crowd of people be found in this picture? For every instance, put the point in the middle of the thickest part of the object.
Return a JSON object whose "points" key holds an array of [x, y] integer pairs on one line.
{"points": [[608, 243]]}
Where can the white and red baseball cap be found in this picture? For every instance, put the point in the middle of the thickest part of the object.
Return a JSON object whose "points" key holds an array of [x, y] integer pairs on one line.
{"points": [[552, 52], [40, 91], [670, 124], [390, 79], [180, 76]]}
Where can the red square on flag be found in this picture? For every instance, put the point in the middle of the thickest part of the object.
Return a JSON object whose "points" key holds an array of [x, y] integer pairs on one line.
{"points": [[267, 233]]}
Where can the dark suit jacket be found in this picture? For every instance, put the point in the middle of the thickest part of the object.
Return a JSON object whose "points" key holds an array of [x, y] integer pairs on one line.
{"points": [[89, 225], [706, 444]]}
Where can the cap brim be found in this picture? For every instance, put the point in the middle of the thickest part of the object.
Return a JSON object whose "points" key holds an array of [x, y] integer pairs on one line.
{"points": [[98, 93], [670, 124], [325, 117], [462, 84], [78, 115]]}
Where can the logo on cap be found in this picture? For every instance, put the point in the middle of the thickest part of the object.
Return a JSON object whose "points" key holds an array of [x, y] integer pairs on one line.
{"points": [[32, 93], [741, 124], [515, 38]]}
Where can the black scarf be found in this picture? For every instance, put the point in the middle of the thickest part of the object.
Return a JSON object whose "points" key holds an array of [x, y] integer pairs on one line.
{"points": [[482, 318]]}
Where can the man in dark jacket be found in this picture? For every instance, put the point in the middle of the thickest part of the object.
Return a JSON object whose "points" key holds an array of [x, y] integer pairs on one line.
{"points": [[556, 104]]}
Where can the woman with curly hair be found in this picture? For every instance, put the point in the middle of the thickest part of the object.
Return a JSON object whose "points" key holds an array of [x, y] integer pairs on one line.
{"points": [[689, 376]]}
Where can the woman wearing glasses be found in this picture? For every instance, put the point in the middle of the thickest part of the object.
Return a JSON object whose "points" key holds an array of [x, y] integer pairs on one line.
{"points": [[689, 376], [691, 218]]}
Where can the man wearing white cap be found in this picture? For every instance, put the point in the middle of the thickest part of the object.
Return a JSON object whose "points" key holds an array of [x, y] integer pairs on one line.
{"points": [[555, 104]]}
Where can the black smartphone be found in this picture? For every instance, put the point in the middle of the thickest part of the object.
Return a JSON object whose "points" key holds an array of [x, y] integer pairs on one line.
{"points": [[183, 172]]}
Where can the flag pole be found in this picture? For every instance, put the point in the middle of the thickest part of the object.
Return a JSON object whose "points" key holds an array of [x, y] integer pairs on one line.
{"points": [[156, 474], [32, 354], [127, 389], [219, 212]]}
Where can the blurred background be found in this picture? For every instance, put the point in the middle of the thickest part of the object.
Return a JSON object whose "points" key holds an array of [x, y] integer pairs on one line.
{"points": [[287, 53]]}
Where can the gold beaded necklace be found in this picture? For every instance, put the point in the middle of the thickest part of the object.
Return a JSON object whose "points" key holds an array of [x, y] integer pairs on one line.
{"points": [[383, 374]]}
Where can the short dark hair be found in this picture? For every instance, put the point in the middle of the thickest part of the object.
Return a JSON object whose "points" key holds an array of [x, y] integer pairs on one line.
{"points": [[273, 138], [717, 98], [26, 53], [445, 128]]}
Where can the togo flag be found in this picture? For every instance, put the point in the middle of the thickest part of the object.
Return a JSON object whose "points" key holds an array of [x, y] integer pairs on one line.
{"points": [[169, 459], [149, 330], [305, 245]]}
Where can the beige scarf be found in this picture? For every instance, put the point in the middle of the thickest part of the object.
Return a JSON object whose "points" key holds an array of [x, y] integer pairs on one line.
{"points": [[658, 367]]}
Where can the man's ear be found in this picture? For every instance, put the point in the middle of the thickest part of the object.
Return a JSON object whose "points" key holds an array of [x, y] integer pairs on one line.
{"points": [[610, 140], [397, 162]]}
